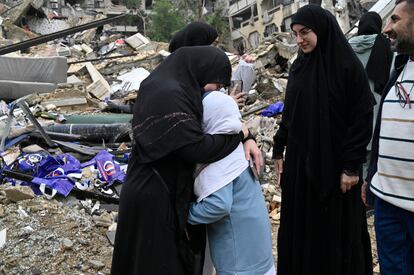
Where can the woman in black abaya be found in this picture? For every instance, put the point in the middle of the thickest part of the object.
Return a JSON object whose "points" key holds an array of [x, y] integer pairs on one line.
{"points": [[151, 237], [194, 34], [326, 126]]}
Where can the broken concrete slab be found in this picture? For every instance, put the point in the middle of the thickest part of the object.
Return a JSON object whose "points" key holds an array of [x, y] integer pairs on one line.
{"points": [[66, 102], [86, 48], [104, 220], [98, 265], [73, 79], [34, 148], [100, 88], [35, 69], [16, 89], [25, 75], [137, 41], [63, 51], [19, 193], [9, 156]]}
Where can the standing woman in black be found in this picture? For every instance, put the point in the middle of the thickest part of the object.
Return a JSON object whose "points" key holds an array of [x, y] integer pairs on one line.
{"points": [[326, 126], [151, 237]]}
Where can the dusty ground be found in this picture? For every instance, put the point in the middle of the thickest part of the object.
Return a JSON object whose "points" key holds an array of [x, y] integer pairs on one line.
{"points": [[62, 237]]}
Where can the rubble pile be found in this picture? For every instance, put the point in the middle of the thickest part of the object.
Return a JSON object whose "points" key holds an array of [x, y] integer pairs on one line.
{"points": [[44, 236]]}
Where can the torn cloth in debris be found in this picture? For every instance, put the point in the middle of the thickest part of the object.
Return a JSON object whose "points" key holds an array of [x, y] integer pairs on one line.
{"points": [[109, 171], [273, 109], [51, 172]]}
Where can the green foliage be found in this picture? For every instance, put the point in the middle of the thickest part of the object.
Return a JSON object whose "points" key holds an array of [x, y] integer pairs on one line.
{"points": [[193, 9], [165, 20], [132, 20], [133, 4], [218, 20]]}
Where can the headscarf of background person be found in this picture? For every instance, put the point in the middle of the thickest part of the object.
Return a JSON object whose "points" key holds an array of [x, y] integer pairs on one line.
{"points": [[379, 63], [327, 90], [168, 110], [194, 34]]}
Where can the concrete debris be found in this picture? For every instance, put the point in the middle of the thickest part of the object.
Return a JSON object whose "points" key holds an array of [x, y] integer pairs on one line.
{"points": [[100, 87], [98, 265], [67, 244], [19, 193], [3, 235], [137, 41], [25, 75]]}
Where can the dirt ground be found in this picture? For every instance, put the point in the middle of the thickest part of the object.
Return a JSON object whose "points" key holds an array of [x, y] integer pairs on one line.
{"points": [[62, 237]]}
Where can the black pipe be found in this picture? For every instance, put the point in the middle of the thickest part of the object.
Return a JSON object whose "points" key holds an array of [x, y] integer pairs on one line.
{"points": [[49, 37]]}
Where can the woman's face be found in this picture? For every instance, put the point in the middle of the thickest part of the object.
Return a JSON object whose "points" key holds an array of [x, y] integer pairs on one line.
{"points": [[213, 87], [305, 37]]}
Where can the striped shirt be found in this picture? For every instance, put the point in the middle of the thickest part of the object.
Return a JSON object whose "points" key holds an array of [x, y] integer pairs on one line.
{"points": [[394, 179]]}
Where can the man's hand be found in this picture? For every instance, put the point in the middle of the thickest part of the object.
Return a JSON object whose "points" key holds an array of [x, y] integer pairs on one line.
{"points": [[278, 169], [252, 151], [240, 98], [364, 193], [347, 182]]}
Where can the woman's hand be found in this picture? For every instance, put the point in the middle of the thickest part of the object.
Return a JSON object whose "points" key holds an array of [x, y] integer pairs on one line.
{"points": [[245, 131], [364, 193], [252, 151], [248, 58], [347, 182], [278, 169], [239, 97]]}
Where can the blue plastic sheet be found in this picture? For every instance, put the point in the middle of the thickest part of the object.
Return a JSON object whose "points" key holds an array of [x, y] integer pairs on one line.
{"points": [[273, 109]]}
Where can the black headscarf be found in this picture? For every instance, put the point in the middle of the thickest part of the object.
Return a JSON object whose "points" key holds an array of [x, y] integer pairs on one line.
{"points": [[168, 110], [327, 91], [194, 34], [379, 62], [370, 23]]}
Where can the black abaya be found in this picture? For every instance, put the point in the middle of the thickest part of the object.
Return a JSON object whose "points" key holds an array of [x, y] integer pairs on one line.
{"points": [[152, 237], [194, 34], [326, 126], [379, 63]]}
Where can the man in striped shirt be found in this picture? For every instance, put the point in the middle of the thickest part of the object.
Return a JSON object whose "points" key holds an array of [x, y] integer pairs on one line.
{"points": [[391, 172]]}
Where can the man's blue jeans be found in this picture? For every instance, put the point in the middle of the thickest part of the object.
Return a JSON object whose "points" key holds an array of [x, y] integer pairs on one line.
{"points": [[394, 228]]}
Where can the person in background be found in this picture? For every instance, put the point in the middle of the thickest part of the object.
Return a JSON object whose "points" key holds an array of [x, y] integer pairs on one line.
{"points": [[326, 126], [200, 33], [374, 51], [194, 34], [391, 170], [152, 235]]}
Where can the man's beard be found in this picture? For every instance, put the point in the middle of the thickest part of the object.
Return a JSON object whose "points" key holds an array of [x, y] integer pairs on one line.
{"points": [[403, 46], [404, 42]]}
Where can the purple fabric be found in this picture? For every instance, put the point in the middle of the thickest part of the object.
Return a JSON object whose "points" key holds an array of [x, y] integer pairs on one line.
{"points": [[109, 171], [63, 185], [31, 162], [69, 164], [273, 109], [50, 171]]}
